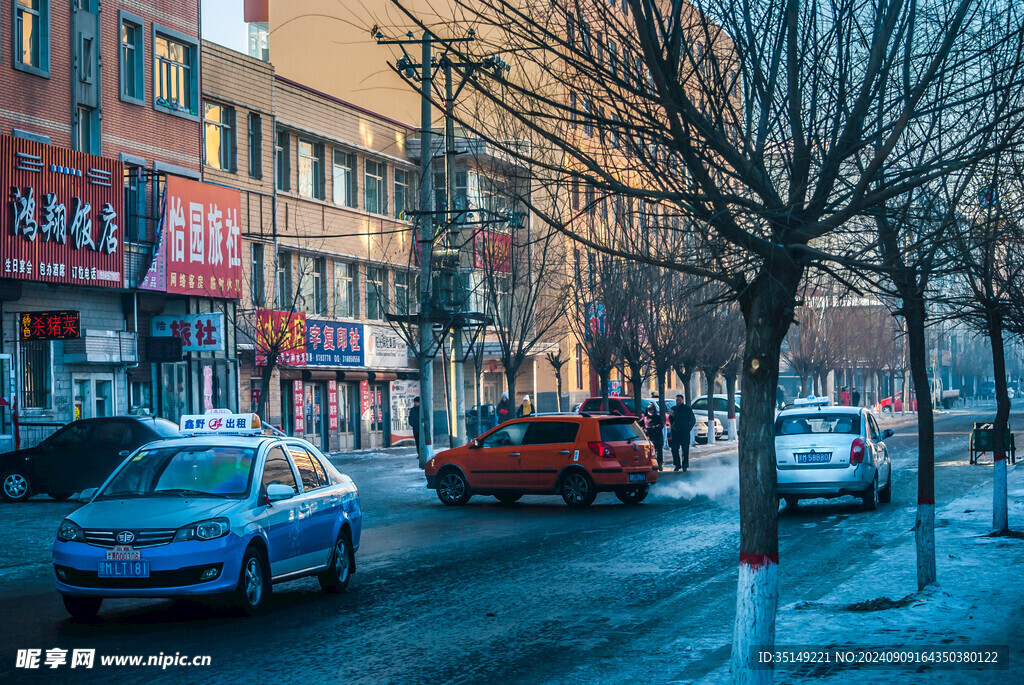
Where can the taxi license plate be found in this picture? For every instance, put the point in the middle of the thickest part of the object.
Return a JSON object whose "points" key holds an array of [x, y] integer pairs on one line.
{"points": [[123, 569], [813, 457], [637, 477]]}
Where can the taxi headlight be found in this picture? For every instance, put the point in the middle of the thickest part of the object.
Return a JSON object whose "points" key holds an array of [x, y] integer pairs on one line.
{"points": [[69, 531], [203, 530]]}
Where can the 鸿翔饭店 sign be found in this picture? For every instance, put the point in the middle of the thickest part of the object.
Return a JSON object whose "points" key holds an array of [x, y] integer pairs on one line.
{"points": [[199, 241], [62, 218]]}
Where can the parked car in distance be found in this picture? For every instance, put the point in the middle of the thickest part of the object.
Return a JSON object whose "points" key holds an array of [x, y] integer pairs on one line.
{"points": [[222, 510], [987, 391], [889, 405], [78, 456], [616, 405], [473, 423], [573, 455], [829, 451], [700, 412]]}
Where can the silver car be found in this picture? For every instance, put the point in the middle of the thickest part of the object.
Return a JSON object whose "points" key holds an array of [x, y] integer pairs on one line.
{"points": [[829, 451]]}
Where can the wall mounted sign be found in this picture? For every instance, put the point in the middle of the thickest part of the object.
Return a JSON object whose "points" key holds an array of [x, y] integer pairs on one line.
{"points": [[50, 325], [198, 332]]}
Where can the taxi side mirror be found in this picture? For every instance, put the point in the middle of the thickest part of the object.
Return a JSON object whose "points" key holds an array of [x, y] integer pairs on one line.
{"points": [[86, 494], [279, 491]]}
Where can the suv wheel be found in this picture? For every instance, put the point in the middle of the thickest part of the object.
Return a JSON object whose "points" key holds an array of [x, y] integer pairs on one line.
{"points": [[578, 489], [16, 486], [885, 496], [870, 496], [452, 488], [633, 495]]}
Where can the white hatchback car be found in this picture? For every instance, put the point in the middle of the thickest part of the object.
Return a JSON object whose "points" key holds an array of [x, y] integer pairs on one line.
{"points": [[830, 451]]}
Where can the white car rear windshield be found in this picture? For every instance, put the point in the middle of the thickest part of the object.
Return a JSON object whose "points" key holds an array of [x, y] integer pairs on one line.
{"points": [[199, 471], [817, 423]]}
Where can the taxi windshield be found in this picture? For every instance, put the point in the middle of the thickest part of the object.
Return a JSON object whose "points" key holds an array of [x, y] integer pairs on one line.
{"points": [[192, 471]]}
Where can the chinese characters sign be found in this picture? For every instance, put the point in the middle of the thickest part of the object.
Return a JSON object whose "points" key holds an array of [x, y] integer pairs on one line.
{"points": [[284, 332], [50, 325], [329, 343], [385, 348], [298, 407], [200, 241], [197, 332], [62, 217], [332, 405]]}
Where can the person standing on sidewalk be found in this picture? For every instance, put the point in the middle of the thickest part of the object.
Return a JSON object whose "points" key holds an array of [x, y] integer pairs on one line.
{"points": [[855, 397], [414, 421], [654, 426], [526, 408], [681, 421], [504, 411]]}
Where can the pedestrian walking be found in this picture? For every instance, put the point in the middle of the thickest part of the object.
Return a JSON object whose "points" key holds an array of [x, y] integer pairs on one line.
{"points": [[654, 426], [780, 398], [414, 421], [844, 396], [681, 421], [855, 397], [526, 408], [504, 410]]}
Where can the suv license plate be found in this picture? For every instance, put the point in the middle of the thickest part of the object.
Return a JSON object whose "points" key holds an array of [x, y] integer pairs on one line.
{"points": [[814, 457], [123, 569], [637, 477]]}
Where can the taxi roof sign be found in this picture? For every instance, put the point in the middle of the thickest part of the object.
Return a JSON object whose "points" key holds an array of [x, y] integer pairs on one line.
{"points": [[220, 424], [811, 401]]}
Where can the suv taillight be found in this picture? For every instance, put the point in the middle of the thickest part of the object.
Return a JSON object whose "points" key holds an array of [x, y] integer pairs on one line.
{"points": [[602, 449], [857, 452]]}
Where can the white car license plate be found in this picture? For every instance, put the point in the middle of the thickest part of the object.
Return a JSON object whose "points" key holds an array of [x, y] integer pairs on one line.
{"points": [[637, 477], [813, 457], [123, 569]]}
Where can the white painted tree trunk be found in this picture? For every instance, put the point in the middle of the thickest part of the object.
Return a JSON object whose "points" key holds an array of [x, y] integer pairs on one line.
{"points": [[1000, 517], [757, 597], [924, 537]]}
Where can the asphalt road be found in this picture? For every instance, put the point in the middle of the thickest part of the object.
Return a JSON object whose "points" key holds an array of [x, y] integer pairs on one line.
{"points": [[531, 592]]}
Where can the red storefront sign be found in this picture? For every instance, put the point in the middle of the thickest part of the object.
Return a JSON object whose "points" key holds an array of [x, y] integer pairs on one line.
{"points": [[492, 251], [364, 399], [299, 408], [254, 397], [200, 241], [62, 215], [284, 332], [50, 325], [332, 405]]}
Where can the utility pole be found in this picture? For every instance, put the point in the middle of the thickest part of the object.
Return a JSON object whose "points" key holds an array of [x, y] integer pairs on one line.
{"points": [[455, 236]]}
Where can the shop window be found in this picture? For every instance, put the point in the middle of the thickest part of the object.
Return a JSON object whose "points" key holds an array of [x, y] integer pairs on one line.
{"points": [[219, 136], [131, 66], [346, 290], [36, 377], [255, 145], [344, 178], [31, 40], [175, 72]]}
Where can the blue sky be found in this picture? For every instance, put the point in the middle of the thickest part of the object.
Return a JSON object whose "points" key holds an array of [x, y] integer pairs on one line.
{"points": [[223, 23]]}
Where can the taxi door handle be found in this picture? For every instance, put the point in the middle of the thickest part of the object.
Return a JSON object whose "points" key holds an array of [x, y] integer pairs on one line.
{"points": [[513, 454], [564, 452]]}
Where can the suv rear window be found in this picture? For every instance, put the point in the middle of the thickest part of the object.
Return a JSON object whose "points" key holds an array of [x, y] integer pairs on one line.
{"points": [[817, 423], [620, 431]]}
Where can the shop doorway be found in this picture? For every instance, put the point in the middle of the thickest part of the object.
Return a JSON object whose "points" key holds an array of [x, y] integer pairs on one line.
{"points": [[93, 395], [380, 416], [173, 391], [348, 416], [316, 415]]}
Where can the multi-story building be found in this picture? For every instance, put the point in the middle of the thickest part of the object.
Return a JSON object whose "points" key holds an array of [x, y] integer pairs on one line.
{"points": [[100, 117]]}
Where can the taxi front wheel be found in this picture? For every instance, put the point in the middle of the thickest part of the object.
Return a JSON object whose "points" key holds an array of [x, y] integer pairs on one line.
{"points": [[253, 583], [82, 607]]}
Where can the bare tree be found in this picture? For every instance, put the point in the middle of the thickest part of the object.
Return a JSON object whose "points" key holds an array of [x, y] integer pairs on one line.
{"points": [[557, 363]]}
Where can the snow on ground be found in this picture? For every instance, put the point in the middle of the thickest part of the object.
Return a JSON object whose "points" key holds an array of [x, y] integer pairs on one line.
{"points": [[976, 603]]}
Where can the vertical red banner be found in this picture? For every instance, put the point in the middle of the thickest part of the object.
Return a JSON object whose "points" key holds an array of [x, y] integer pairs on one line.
{"points": [[332, 405], [299, 408], [364, 400]]}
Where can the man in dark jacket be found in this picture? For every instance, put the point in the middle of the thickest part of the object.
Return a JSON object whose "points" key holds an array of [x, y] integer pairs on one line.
{"points": [[414, 421], [681, 421]]}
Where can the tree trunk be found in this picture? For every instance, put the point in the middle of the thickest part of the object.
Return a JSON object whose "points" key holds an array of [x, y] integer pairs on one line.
{"points": [[768, 313], [924, 525], [1000, 517], [686, 377], [603, 375], [510, 380], [709, 380], [635, 380], [558, 387], [662, 407], [730, 390], [265, 381], [803, 386]]}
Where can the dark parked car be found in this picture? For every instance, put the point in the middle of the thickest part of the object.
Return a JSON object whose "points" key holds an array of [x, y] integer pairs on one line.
{"points": [[78, 456], [473, 418]]}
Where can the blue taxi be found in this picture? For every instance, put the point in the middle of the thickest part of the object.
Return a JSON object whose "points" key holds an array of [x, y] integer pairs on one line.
{"points": [[225, 510]]}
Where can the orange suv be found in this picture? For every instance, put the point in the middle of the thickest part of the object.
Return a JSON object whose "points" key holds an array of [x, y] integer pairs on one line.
{"points": [[574, 455]]}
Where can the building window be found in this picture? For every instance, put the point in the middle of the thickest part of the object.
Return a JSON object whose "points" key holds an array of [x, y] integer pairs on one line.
{"points": [[255, 145], [346, 290], [570, 30], [376, 182], [88, 130], [256, 286], [401, 193], [132, 52], [311, 164], [219, 131], [344, 178], [134, 219], [376, 293], [35, 373], [613, 60], [31, 41], [174, 79], [314, 285], [284, 161], [284, 281], [402, 282], [259, 40]]}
